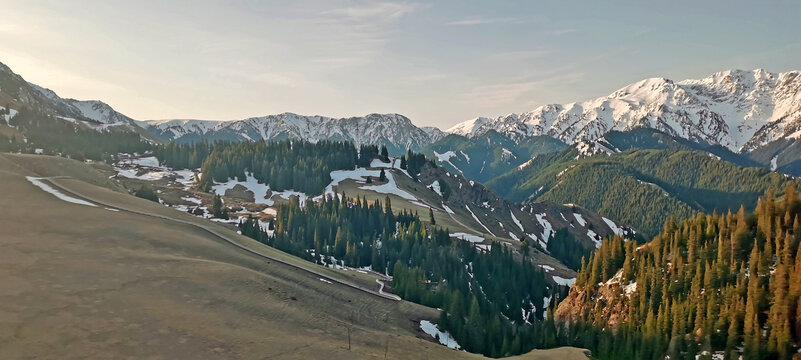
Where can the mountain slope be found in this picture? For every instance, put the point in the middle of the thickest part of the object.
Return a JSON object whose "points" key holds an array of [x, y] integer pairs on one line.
{"points": [[740, 110], [484, 157], [723, 284], [191, 294], [639, 187], [394, 131], [36, 120]]}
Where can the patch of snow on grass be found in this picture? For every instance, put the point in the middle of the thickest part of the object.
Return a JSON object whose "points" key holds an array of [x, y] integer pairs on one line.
{"points": [[517, 222], [150, 161], [446, 158], [259, 190], [148, 176], [594, 237], [359, 174], [468, 237], [615, 229], [447, 209], [547, 268], [48, 189], [478, 221], [191, 199], [389, 188], [435, 186], [580, 219], [513, 236], [377, 163], [773, 163], [9, 116], [185, 178], [547, 229], [564, 282], [444, 337]]}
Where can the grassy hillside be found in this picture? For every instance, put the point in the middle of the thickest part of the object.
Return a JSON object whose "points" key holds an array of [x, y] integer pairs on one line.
{"points": [[82, 281]]}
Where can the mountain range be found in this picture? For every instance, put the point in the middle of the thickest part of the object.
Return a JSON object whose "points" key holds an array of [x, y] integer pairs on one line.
{"points": [[757, 113], [394, 131], [741, 110]]}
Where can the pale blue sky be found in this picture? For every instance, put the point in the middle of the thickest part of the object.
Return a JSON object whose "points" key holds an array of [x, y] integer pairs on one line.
{"points": [[438, 63]]}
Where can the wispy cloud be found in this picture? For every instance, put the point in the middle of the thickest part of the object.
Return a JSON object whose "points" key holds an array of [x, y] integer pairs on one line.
{"points": [[521, 54], [486, 21], [355, 34], [491, 95], [559, 32], [381, 11]]}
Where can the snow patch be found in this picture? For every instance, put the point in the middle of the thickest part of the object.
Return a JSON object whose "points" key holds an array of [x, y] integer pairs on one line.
{"points": [[435, 186], [48, 189], [390, 188], [580, 219], [547, 229], [516, 221], [564, 282], [615, 229], [478, 221], [447, 209], [467, 237], [443, 336], [259, 190]]}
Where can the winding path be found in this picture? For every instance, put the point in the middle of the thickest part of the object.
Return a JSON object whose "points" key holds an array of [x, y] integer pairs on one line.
{"points": [[380, 293]]}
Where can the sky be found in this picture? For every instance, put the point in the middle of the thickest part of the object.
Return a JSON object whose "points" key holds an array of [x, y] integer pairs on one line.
{"points": [[438, 62]]}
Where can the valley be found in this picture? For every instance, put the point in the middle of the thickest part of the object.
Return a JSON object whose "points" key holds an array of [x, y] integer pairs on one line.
{"points": [[618, 227]]}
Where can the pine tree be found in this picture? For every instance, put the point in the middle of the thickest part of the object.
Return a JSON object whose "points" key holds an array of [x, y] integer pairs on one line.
{"points": [[384, 153]]}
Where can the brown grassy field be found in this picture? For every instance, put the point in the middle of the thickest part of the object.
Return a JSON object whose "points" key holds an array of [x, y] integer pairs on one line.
{"points": [[87, 282]]}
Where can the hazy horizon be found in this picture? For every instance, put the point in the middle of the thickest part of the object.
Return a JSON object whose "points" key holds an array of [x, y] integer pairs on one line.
{"points": [[438, 64]]}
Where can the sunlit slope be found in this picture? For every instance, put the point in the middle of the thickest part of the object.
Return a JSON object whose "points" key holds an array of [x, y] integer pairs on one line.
{"points": [[87, 282]]}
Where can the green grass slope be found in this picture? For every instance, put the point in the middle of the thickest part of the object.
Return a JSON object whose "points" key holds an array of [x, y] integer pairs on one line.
{"points": [[88, 282]]}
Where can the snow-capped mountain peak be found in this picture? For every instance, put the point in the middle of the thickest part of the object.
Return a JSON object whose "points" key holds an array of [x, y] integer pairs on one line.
{"points": [[737, 109], [393, 130]]}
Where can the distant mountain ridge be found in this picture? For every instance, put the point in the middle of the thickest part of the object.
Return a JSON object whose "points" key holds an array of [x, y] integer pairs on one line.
{"points": [[393, 130], [753, 113], [740, 110]]}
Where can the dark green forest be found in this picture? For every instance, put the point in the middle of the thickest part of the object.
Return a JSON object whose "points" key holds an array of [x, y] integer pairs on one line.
{"points": [[488, 297], [68, 139], [640, 187], [285, 165]]}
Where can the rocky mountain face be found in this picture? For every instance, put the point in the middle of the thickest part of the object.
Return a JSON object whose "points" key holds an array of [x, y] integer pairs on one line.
{"points": [[740, 110], [393, 130], [94, 113]]}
